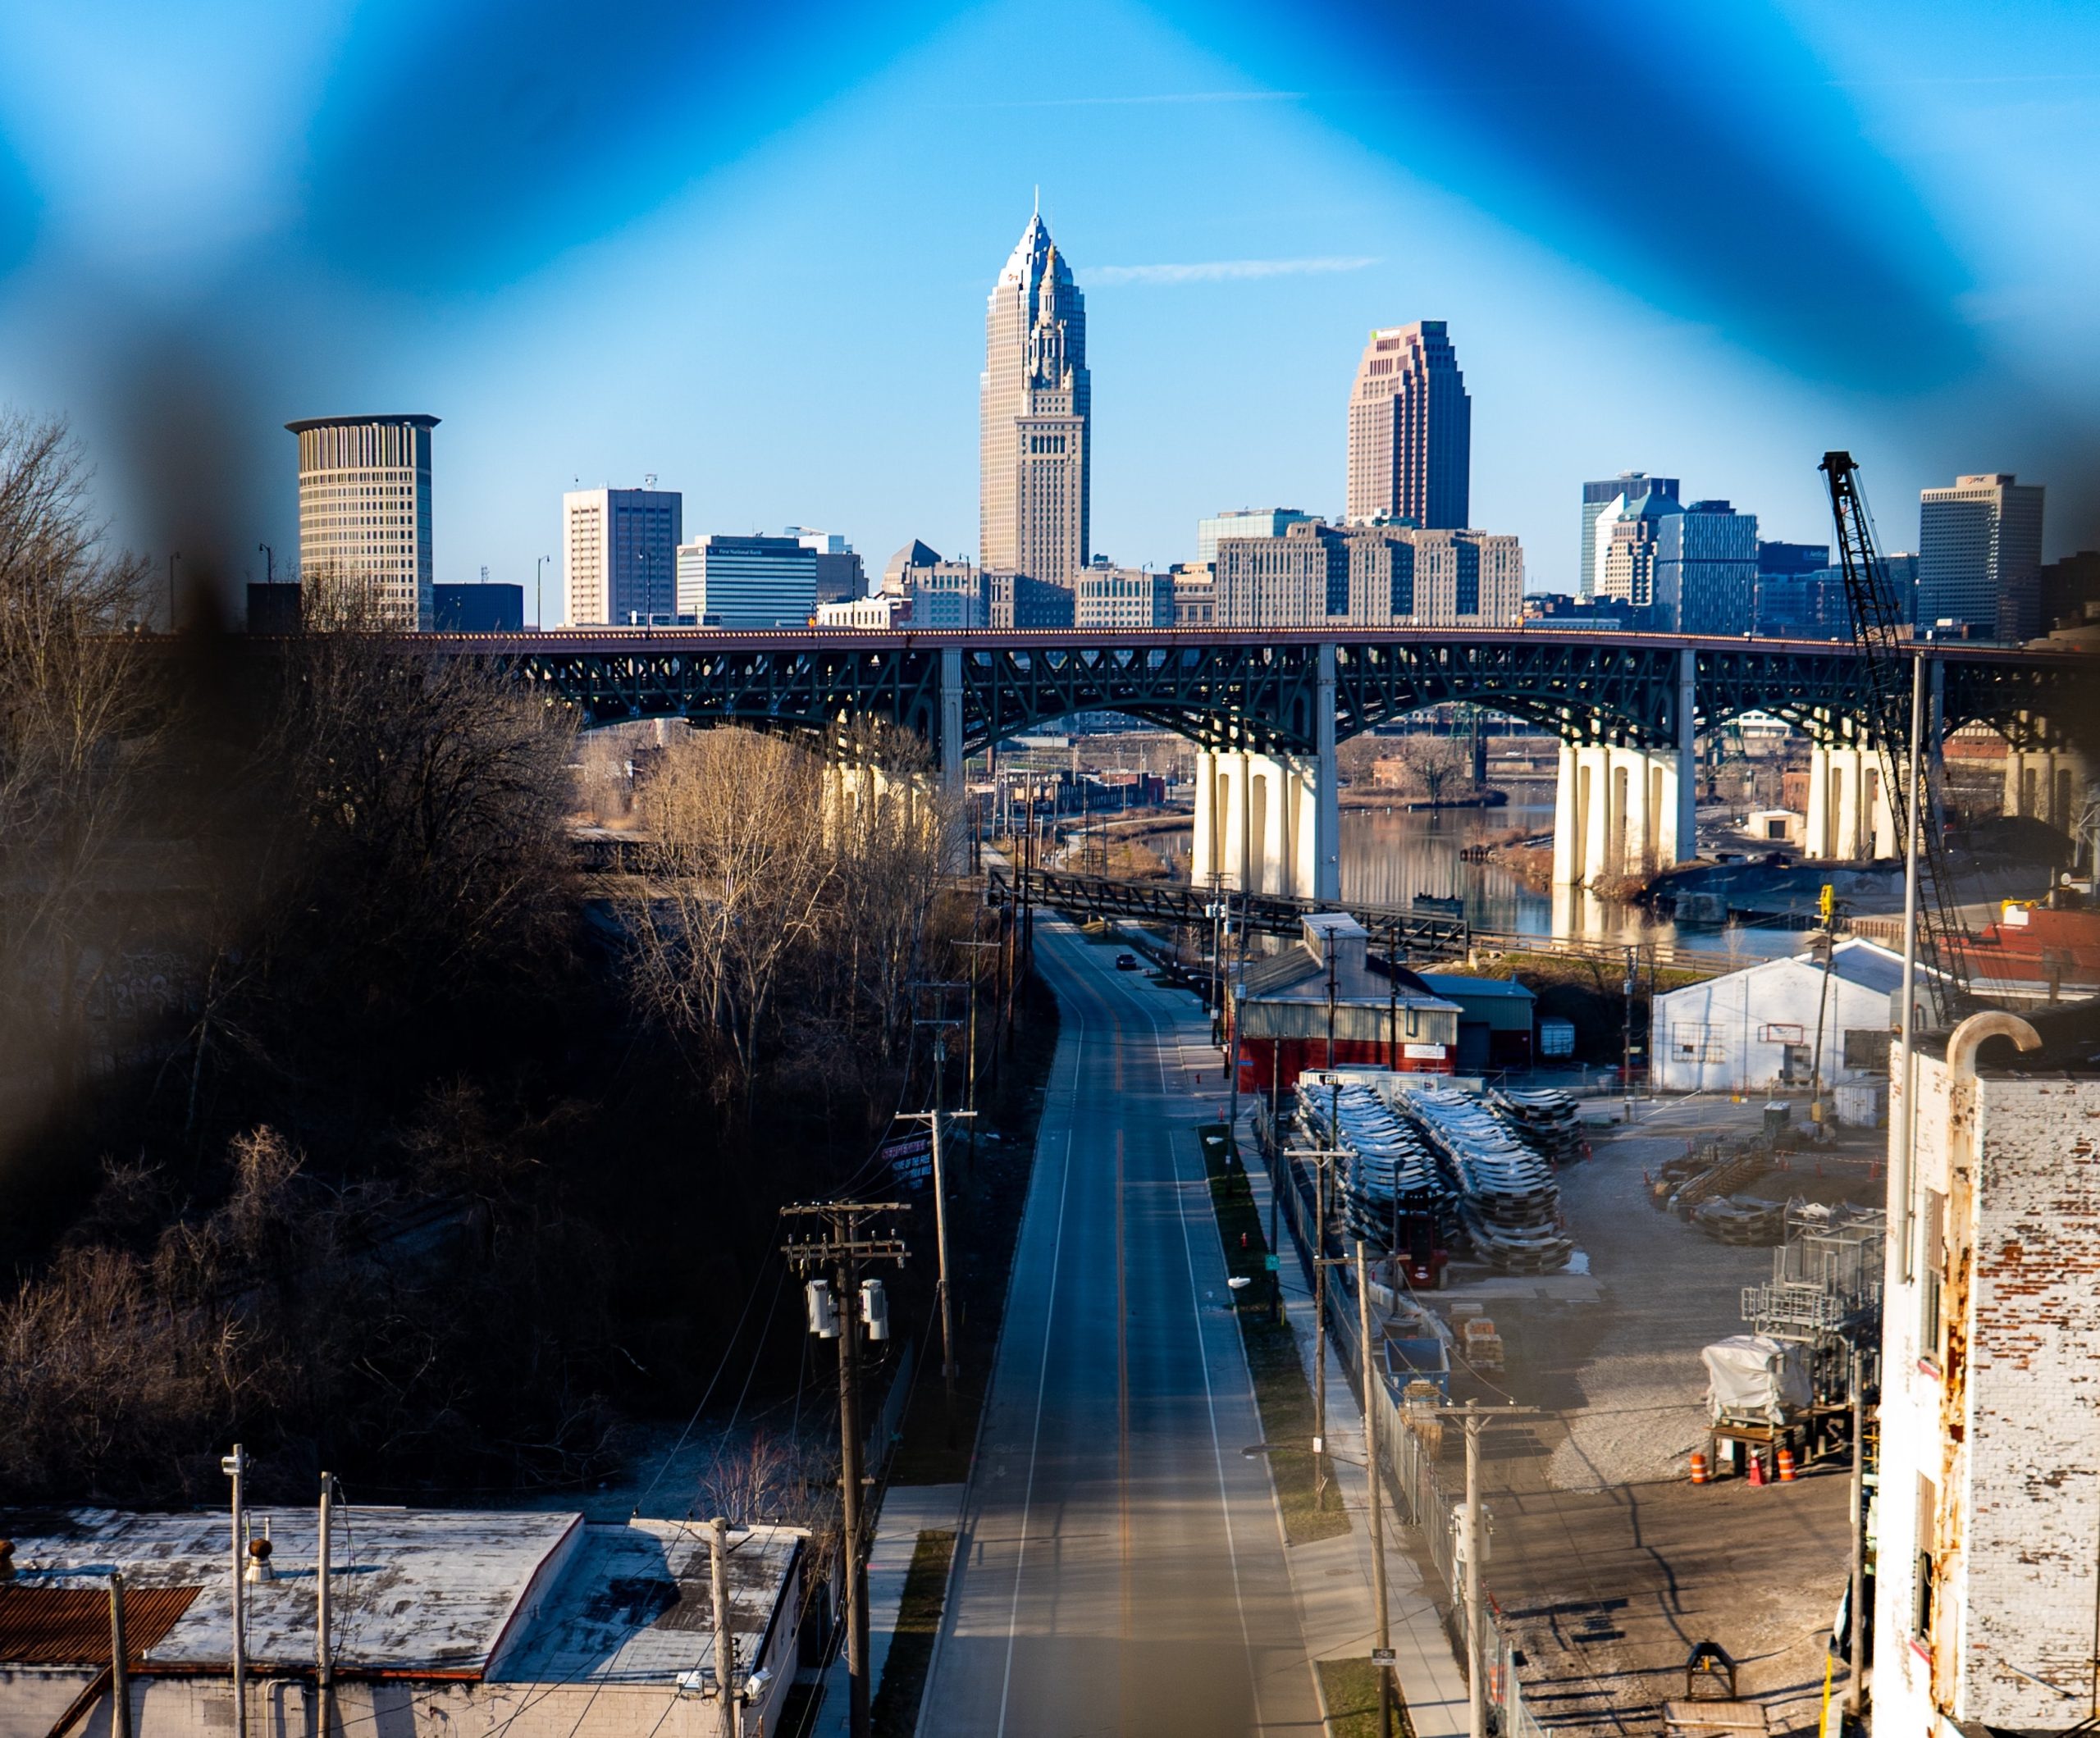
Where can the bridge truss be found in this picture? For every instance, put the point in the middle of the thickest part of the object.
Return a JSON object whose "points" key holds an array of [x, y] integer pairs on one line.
{"points": [[1248, 690]]}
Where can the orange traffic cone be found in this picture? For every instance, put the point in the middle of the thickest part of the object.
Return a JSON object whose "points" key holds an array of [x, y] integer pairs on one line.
{"points": [[1756, 1467], [1786, 1466], [1698, 1468]]}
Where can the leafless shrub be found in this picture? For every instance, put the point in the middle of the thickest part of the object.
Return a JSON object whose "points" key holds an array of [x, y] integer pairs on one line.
{"points": [[785, 906], [761, 1475]]}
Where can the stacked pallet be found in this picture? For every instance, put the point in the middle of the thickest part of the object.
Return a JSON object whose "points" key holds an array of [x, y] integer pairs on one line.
{"points": [[1508, 1202], [1548, 1122], [1385, 1165]]}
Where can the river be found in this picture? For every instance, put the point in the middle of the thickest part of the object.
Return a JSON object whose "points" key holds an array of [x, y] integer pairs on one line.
{"points": [[1392, 856]]}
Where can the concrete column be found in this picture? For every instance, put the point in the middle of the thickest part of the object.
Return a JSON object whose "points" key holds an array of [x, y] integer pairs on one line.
{"points": [[1204, 844], [1612, 859], [1850, 816], [1327, 841], [1591, 802], [1567, 838], [1244, 811], [2046, 784], [1684, 835]]}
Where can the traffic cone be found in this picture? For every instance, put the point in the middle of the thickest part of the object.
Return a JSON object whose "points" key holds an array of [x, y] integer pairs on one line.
{"points": [[1756, 1468], [1698, 1467], [1786, 1466]]}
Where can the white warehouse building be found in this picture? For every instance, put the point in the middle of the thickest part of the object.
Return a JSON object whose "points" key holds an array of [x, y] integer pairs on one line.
{"points": [[1755, 1029]]}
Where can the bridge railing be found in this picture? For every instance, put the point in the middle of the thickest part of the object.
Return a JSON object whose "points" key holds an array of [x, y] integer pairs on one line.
{"points": [[1392, 929]]}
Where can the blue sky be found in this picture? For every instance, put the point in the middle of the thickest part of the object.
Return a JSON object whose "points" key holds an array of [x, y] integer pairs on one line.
{"points": [[750, 255]]}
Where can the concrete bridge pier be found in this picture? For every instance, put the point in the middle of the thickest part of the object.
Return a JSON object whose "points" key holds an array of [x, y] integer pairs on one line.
{"points": [[1618, 812], [1257, 824], [1850, 814], [1622, 811], [1272, 824], [2047, 783]]}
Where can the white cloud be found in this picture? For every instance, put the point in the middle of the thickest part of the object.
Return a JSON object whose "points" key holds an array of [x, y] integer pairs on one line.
{"points": [[1217, 271]]}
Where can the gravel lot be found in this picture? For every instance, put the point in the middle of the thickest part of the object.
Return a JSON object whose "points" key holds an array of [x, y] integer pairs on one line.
{"points": [[1606, 1562]]}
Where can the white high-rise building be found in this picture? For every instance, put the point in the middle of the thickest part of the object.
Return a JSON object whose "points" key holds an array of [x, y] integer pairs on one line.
{"points": [[1979, 555], [364, 512], [1035, 401], [747, 582], [619, 557]]}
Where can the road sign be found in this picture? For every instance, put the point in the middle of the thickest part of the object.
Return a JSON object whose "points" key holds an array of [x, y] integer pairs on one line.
{"points": [[1271, 1263], [910, 1158], [1384, 1657]]}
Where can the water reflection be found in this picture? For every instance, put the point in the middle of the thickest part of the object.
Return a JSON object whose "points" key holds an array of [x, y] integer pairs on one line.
{"points": [[1393, 857]]}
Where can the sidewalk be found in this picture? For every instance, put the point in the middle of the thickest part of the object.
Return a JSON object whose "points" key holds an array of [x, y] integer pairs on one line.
{"points": [[907, 1511], [1332, 1577]]}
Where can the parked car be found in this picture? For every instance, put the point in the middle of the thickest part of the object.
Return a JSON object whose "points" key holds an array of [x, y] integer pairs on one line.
{"points": [[1126, 963]]}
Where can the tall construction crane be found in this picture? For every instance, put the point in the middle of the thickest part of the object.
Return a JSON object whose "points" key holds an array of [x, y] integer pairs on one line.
{"points": [[1890, 672]]}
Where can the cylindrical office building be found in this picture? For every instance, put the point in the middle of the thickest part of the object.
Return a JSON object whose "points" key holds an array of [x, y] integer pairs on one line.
{"points": [[364, 512]]}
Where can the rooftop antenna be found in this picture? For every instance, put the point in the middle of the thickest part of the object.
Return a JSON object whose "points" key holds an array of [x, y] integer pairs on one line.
{"points": [[1038, 198]]}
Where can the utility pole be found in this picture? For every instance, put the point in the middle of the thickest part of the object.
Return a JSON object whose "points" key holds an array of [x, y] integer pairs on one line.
{"points": [[1370, 1490], [934, 1119], [235, 1467], [725, 1643], [1625, 1039], [324, 1658], [1853, 1633], [839, 1242], [120, 1662], [1476, 1418], [1321, 1157]]}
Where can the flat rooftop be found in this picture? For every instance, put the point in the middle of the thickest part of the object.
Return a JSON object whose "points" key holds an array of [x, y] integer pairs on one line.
{"points": [[503, 1595]]}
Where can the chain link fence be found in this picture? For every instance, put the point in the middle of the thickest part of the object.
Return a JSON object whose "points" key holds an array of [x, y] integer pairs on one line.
{"points": [[1410, 1442]]}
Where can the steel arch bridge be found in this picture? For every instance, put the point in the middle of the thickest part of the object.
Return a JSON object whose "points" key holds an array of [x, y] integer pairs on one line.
{"points": [[1263, 691]]}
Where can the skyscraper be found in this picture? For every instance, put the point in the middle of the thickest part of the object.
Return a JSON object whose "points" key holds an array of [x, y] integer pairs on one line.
{"points": [[1706, 570], [364, 512], [1410, 430], [619, 556], [1036, 403], [1979, 555], [1596, 497]]}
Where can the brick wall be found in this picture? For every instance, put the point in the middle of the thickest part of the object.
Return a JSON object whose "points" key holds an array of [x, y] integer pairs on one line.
{"points": [[1990, 1432]]}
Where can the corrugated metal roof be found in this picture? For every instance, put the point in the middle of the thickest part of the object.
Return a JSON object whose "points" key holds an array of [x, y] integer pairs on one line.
{"points": [[1457, 984], [45, 1626]]}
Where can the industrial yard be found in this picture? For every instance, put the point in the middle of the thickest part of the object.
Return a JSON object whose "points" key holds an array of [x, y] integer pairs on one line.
{"points": [[1607, 1563]]}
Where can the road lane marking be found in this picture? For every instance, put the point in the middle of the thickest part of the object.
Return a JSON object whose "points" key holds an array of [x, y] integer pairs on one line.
{"points": [[1203, 1360], [1122, 1390], [1043, 1369]]}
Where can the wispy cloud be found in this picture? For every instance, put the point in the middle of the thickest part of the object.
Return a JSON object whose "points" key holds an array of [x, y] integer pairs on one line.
{"points": [[1217, 271]]}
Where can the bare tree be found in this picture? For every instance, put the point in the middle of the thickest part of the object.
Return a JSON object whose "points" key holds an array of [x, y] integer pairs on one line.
{"points": [[77, 732], [1435, 766], [735, 872]]}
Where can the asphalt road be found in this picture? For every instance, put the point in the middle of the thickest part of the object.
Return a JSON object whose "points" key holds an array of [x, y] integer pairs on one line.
{"points": [[1121, 1565]]}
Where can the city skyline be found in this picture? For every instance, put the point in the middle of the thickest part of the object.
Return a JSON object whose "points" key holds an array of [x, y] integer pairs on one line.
{"points": [[1234, 260]]}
